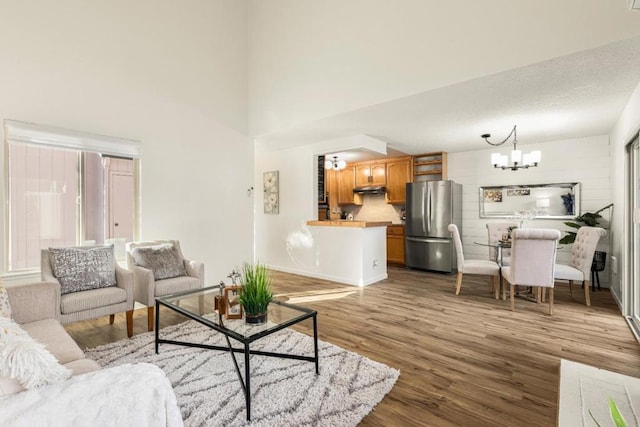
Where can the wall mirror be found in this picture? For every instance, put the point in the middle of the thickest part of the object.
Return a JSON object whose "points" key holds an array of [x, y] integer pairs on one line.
{"points": [[553, 201]]}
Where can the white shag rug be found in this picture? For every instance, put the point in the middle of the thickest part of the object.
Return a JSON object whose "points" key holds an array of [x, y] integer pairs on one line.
{"points": [[284, 392]]}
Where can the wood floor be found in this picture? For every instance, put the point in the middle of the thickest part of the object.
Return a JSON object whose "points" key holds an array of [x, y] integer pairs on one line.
{"points": [[463, 361]]}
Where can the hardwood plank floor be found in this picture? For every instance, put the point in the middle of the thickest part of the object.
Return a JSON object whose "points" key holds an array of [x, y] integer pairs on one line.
{"points": [[463, 361]]}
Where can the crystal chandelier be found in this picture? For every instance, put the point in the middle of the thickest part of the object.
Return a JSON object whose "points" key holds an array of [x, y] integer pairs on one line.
{"points": [[518, 159]]}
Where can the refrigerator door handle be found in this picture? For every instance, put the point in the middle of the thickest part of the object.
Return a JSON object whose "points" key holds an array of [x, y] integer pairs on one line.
{"points": [[424, 229], [427, 240], [429, 214]]}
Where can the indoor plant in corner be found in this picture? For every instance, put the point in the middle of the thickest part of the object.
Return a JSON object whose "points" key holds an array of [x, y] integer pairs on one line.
{"points": [[255, 294], [590, 219]]}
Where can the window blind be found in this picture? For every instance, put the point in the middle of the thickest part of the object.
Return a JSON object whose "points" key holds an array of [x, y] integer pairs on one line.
{"points": [[34, 134]]}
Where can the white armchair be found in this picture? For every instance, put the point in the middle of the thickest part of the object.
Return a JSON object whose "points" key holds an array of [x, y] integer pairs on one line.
{"points": [[579, 266], [160, 269], [473, 266], [76, 272], [533, 257]]}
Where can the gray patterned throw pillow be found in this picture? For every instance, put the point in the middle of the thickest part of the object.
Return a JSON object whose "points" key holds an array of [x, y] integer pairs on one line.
{"points": [[163, 260], [81, 269]]}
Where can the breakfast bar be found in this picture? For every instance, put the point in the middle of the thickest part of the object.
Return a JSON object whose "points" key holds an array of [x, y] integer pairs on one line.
{"points": [[350, 252]]}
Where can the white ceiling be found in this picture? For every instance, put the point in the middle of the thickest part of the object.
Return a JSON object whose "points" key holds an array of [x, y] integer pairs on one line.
{"points": [[573, 96]]}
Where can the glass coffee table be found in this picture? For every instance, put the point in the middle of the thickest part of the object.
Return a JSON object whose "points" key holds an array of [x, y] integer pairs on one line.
{"points": [[198, 305]]}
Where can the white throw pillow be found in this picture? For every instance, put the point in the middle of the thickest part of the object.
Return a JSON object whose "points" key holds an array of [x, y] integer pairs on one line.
{"points": [[25, 359], [5, 308]]}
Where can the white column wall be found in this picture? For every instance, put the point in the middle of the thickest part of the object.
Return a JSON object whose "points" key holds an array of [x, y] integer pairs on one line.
{"points": [[284, 241], [169, 75], [584, 160]]}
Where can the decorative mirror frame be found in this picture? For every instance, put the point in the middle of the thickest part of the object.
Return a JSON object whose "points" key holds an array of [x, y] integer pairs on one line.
{"points": [[531, 198]]}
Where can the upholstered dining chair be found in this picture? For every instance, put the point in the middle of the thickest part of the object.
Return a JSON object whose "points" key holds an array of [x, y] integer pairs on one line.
{"points": [[579, 266], [533, 258], [473, 266], [495, 230], [90, 283], [160, 269]]}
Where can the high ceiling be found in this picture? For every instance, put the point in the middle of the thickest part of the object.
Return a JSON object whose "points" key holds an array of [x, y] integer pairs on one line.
{"points": [[573, 96]]}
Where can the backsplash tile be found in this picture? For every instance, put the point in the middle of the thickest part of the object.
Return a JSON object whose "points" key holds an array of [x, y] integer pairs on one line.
{"points": [[375, 208]]}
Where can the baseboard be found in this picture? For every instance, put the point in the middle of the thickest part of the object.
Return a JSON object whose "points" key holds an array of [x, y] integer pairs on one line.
{"points": [[635, 328], [328, 277]]}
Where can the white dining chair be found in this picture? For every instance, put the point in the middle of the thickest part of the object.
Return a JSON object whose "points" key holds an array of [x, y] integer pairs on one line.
{"points": [[495, 230], [473, 266], [533, 258], [579, 266]]}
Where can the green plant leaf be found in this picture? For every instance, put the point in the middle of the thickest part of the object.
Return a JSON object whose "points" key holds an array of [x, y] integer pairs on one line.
{"points": [[255, 294], [616, 416], [568, 239]]}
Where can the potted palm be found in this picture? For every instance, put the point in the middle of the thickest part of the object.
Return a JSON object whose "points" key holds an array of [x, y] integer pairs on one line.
{"points": [[255, 293]]}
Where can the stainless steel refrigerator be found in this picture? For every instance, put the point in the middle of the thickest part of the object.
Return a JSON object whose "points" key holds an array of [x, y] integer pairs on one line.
{"points": [[431, 207]]}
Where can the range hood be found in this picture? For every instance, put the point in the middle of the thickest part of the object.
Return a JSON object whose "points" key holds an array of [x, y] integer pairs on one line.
{"points": [[371, 189]]}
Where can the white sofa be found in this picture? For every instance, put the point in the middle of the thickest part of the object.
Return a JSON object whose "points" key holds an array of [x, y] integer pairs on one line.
{"points": [[132, 394], [35, 307]]}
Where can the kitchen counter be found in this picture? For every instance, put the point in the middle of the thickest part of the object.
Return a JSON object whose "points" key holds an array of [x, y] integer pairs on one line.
{"points": [[348, 251], [349, 223]]}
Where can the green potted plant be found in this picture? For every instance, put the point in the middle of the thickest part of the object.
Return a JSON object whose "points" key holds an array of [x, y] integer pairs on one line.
{"points": [[588, 218], [255, 293]]}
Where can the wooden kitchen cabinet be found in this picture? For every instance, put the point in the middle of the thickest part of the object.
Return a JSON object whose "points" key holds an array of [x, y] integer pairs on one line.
{"points": [[332, 189], [398, 174], [371, 173], [395, 245], [346, 181]]}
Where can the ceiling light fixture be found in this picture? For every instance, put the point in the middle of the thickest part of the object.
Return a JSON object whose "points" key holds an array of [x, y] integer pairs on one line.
{"points": [[518, 160], [336, 164]]}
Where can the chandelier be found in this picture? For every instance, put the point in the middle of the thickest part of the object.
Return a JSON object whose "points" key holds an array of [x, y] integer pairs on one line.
{"points": [[518, 159], [335, 164]]}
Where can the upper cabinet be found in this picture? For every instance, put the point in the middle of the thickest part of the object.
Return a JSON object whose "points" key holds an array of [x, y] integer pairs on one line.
{"points": [[398, 174], [371, 173], [430, 167], [346, 182], [394, 173]]}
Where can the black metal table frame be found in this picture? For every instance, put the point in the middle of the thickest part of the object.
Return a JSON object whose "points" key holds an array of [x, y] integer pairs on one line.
{"points": [[246, 382]]}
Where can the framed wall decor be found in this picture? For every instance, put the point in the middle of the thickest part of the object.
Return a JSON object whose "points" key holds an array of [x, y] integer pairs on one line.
{"points": [[271, 184], [233, 309], [549, 201], [518, 192], [492, 196]]}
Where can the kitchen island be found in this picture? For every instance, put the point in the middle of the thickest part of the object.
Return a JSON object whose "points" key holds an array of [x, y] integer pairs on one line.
{"points": [[350, 252]]}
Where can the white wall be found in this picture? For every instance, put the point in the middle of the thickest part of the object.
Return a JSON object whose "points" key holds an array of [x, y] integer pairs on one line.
{"points": [[312, 59], [625, 130], [173, 77], [283, 241], [584, 160]]}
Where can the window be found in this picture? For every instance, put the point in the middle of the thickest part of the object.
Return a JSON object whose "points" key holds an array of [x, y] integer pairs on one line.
{"points": [[65, 189]]}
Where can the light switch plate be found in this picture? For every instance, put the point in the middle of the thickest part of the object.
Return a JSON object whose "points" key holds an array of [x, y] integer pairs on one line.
{"points": [[634, 4]]}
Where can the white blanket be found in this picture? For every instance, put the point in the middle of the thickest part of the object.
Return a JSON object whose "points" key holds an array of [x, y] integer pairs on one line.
{"points": [[127, 395]]}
